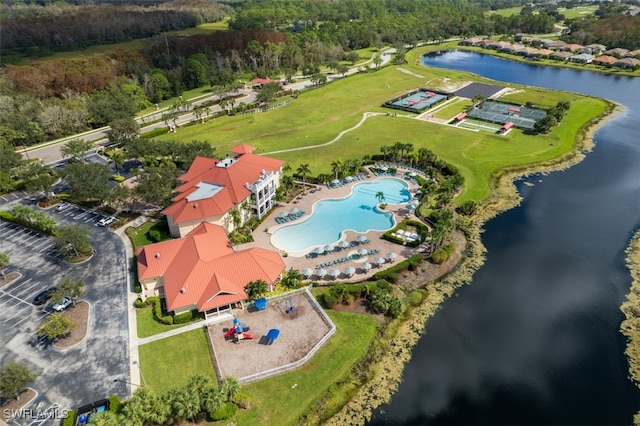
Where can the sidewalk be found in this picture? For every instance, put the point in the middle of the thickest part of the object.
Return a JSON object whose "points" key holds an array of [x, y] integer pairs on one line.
{"points": [[184, 329]]}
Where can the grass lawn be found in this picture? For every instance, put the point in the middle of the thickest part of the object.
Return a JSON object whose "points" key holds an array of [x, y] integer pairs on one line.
{"points": [[147, 326], [140, 235], [506, 12], [453, 108], [577, 11], [283, 399], [172, 361]]}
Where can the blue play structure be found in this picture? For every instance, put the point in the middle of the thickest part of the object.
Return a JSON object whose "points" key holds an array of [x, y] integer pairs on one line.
{"points": [[272, 335], [261, 304], [290, 310]]}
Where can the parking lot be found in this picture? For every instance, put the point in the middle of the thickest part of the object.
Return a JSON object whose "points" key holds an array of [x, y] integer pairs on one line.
{"points": [[84, 373]]}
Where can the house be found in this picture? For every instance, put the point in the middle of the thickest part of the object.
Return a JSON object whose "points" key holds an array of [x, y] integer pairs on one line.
{"points": [[473, 41], [582, 58], [545, 53], [225, 191], [618, 52], [572, 48], [633, 54], [202, 271], [260, 82], [555, 44], [561, 56], [605, 60], [627, 63], [594, 48]]}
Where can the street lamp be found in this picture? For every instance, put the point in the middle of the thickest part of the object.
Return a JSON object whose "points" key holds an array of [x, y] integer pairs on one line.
{"points": [[124, 381], [144, 382]]}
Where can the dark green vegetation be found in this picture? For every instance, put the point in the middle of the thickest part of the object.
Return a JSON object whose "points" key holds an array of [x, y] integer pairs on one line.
{"points": [[14, 378]]}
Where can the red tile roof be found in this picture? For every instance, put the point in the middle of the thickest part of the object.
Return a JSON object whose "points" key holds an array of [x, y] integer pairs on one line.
{"points": [[232, 180], [202, 269]]}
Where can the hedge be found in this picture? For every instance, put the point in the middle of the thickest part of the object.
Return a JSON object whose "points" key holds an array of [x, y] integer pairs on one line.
{"points": [[157, 311], [155, 132], [70, 420], [443, 253], [115, 404], [391, 274], [186, 317], [9, 217]]}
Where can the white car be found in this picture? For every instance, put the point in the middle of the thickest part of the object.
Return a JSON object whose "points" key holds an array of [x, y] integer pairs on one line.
{"points": [[63, 206], [106, 221], [59, 307]]}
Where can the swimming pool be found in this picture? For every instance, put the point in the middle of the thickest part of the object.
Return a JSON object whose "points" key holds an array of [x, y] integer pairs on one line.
{"points": [[331, 217]]}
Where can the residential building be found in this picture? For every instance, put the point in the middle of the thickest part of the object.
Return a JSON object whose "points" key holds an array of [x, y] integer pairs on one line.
{"points": [[226, 192], [202, 271], [605, 60]]}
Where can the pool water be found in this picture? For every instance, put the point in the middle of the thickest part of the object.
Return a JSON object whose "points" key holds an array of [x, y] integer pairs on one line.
{"points": [[331, 217]]}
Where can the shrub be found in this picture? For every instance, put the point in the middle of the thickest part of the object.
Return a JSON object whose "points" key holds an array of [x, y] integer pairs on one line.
{"points": [[117, 178], [415, 298], [158, 314], [139, 304], [186, 317], [70, 420], [242, 401], [226, 411], [441, 255], [155, 132], [137, 288], [330, 300], [155, 235], [115, 404]]}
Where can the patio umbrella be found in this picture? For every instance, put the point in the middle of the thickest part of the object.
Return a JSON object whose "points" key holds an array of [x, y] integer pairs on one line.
{"points": [[379, 261], [391, 256], [366, 266], [412, 174], [384, 168], [284, 214], [295, 210], [307, 272], [335, 273], [361, 238], [321, 272], [335, 181], [349, 178], [318, 250], [328, 248], [363, 252], [350, 271], [343, 244]]}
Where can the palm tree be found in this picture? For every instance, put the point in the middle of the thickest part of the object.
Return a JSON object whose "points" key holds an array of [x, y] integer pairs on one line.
{"points": [[286, 182], [118, 160], [380, 197], [384, 149], [235, 217], [4, 261], [229, 388], [255, 289], [304, 170], [337, 166]]}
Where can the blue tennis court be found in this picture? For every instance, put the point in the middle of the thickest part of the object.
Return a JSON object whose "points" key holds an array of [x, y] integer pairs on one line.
{"points": [[418, 100]]}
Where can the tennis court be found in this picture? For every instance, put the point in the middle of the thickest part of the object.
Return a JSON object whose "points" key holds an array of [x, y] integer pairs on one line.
{"points": [[499, 112], [418, 100]]}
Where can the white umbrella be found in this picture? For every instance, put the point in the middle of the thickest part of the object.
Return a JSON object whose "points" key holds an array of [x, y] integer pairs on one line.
{"points": [[307, 272], [366, 266], [392, 256], [412, 174], [363, 252], [318, 250], [349, 178], [350, 271], [379, 261], [343, 244], [385, 168], [321, 272], [335, 273], [335, 181], [284, 214], [328, 248], [361, 238], [295, 210]]}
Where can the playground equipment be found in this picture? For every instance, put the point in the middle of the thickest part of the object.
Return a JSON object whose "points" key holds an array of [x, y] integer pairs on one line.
{"points": [[238, 331], [290, 310], [272, 335]]}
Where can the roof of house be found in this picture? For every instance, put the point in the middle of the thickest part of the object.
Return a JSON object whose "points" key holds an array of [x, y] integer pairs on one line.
{"points": [[202, 268], [617, 51], [262, 81], [605, 59], [632, 62], [211, 187]]}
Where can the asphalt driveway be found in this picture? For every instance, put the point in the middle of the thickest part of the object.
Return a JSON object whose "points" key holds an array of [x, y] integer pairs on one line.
{"points": [[86, 372]]}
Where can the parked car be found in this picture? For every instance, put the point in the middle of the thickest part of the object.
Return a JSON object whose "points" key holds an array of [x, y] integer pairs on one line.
{"points": [[59, 307], [42, 297], [62, 206], [106, 221]]}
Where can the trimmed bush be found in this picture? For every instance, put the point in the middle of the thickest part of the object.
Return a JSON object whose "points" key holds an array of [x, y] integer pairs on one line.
{"points": [[139, 304], [226, 411], [115, 404], [330, 300], [155, 132], [157, 312], [415, 298], [243, 401], [137, 288], [155, 235], [186, 317], [441, 255], [117, 178], [70, 420]]}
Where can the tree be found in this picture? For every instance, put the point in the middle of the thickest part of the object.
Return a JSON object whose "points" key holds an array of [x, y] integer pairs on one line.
{"points": [[88, 181], [144, 407], [380, 197], [76, 149], [291, 278], [38, 178], [69, 288], [124, 130], [57, 325], [72, 238], [14, 378], [156, 184], [377, 61], [304, 170], [118, 158], [184, 404], [4, 261], [268, 93], [256, 289], [9, 158], [229, 388], [336, 166]]}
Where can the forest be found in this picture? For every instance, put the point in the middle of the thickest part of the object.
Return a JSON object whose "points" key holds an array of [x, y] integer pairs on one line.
{"points": [[55, 97]]}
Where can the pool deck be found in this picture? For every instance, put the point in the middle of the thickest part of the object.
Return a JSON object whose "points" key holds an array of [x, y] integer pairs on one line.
{"points": [[305, 203]]}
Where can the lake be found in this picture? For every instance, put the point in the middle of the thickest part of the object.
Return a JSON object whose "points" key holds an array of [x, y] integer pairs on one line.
{"points": [[535, 338]]}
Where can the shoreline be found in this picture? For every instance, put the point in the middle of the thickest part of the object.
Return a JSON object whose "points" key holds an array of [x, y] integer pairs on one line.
{"points": [[387, 371], [630, 327]]}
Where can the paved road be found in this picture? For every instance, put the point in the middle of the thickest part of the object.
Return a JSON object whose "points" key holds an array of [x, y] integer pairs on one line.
{"points": [[86, 372]]}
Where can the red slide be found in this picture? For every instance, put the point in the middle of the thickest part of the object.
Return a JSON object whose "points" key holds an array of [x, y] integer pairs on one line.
{"points": [[246, 336], [230, 332]]}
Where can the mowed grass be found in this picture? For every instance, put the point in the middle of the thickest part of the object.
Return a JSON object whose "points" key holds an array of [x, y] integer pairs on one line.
{"points": [[283, 399], [172, 361], [453, 108], [140, 235], [506, 12], [578, 11], [147, 326], [318, 116]]}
